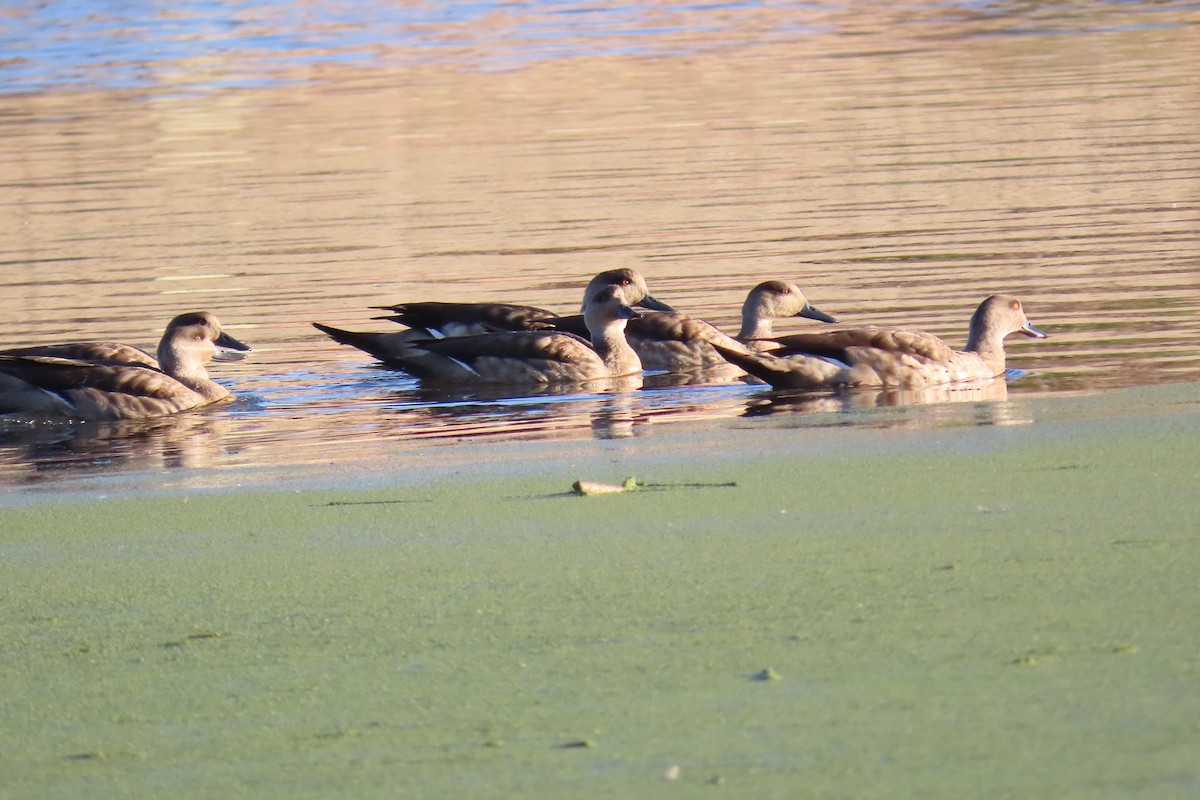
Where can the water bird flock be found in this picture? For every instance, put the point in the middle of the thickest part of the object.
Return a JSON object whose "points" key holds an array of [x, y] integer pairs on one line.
{"points": [[457, 344]]}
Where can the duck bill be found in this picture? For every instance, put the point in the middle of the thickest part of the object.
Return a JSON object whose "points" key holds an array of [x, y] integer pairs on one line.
{"points": [[812, 312], [1032, 332], [654, 304], [227, 342], [626, 312]]}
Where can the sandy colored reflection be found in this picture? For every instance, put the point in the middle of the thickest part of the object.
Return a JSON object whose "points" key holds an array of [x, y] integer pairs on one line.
{"points": [[899, 166]]}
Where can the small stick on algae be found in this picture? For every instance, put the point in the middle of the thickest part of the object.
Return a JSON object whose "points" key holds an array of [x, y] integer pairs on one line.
{"points": [[633, 484], [594, 487]]}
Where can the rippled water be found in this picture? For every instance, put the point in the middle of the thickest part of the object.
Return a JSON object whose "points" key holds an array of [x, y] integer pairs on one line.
{"points": [[283, 162]]}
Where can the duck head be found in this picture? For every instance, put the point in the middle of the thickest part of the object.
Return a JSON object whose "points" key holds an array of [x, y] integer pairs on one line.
{"points": [[631, 283], [781, 299]]}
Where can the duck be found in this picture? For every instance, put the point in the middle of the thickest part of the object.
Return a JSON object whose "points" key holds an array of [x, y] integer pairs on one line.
{"points": [[892, 358], [515, 357], [94, 381], [673, 342], [448, 320], [436, 320], [439, 320]]}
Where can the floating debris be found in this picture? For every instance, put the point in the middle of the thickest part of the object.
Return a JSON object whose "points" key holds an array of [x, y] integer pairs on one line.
{"points": [[632, 484], [595, 487], [579, 743], [767, 674]]}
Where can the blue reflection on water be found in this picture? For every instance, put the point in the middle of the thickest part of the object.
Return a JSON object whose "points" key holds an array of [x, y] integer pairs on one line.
{"points": [[199, 44], [121, 44]]}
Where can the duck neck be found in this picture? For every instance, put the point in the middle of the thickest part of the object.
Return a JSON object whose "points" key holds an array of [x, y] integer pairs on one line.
{"points": [[986, 342], [189, 370], [755, 323], [613, 348]]}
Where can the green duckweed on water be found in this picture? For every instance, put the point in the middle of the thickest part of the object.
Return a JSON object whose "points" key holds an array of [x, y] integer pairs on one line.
{"points": [[1007, 612]]}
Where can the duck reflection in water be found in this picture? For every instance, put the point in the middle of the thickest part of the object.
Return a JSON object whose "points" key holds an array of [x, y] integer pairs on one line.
{"points": [[989, 394], [34, 453]]}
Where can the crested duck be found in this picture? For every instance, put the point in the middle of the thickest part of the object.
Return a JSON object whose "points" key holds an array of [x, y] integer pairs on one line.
{"points": [[888, 357], [515, 357], [466, 319], [107, 380], [678, 342]]}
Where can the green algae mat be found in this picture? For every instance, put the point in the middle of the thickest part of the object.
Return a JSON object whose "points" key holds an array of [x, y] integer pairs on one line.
{"points": [[984, 612]]}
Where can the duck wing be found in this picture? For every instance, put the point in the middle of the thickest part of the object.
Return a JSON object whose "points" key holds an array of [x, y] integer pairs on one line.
{"points": [[513, 357], [64, 375], [570, 323], [525, 345], [795, 372], [459, 319], [112, 352], [673, 326], [845, 344]]}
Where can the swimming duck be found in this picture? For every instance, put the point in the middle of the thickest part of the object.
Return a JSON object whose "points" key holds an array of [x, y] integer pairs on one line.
{"points": [[467, 319], [677, 342], [107, 380], [444, 320], [887, 357], [515, 357]]}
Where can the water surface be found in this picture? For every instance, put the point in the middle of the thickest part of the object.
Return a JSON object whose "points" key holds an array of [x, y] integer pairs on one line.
{"points": [[281, 163]]}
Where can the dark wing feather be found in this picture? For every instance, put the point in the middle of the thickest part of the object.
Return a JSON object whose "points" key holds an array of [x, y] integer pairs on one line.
{"points": [[662, 326], [384, 346], [572, 323], [62, 375], [782, 373], [493, 316], [525, 345]]}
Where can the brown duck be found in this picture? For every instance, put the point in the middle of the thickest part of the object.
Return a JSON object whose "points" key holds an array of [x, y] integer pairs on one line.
{"points": [[467, 319], [445, 320], [108, 380], [889, 357], [515, 357], [675, 342]]}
